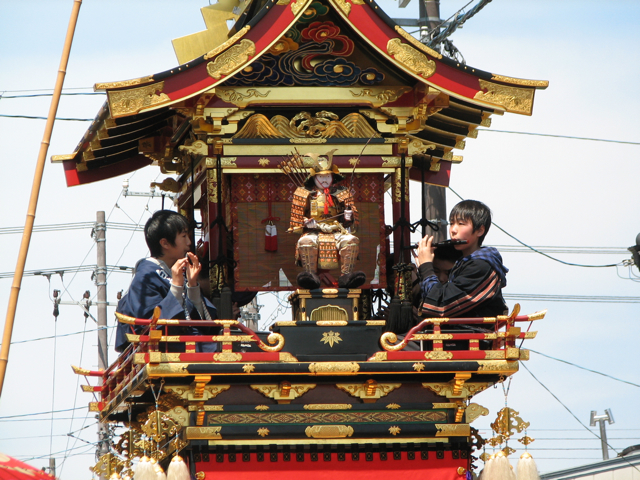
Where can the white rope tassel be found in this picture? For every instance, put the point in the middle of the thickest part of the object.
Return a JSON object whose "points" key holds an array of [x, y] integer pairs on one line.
{"points": [[499, 468], [160, 475], [178, 470], [145, 470], [527, 468]]}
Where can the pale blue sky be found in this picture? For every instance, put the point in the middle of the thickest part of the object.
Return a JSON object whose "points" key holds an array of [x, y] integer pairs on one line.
{"points": [[544, 191]]}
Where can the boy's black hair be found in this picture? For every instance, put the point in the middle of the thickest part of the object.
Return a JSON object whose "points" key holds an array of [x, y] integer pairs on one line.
{"points": [[163, 224], [477, 212]]}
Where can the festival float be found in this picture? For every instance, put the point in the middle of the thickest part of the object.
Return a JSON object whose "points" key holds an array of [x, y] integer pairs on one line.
{"points": [[333, 389]]}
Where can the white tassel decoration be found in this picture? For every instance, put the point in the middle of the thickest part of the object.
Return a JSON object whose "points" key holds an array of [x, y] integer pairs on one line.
{"points": [[160, 475], [145, 470], [527, 468], [498, 468], [178, 470], [486, 471]]}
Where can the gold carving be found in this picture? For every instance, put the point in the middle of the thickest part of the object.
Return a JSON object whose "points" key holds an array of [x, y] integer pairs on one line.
{"points": [[227, 62], [328, 406], [228, 162], [453, 430], [418, 367], [388, 338], [201, 476], [264, 162], [411, 58], [203, 433], [526, 440], [451, 390], [160, 426], [394, 430], [391, 162], [212, 183], [334, 368], [474, 410], [379, 357], [383, 96], [332, 323], [298, 6], [283, 2], [123, 83], [133, 100], [248, 367], [206, 408], [284, 392], [438, 355], [497, 366], [416, 147], [508, 422], [308, 140], [376, 322], [94, 407], [445, 405], [513, 99], [343, 6], [369, 391], [262, 407], [494, 354], [330, 338], [227, 357], [188, 392], [273, 338], [520, 81], [329, 431], [393, 406], [329, 312], [263, 432], [237, 98], [416, 43], [461, 471], [222, 47], [287, 357]]}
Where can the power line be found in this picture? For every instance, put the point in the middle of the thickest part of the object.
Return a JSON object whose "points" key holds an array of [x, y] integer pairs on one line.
{"points": [[57, 227], [41, 413], [583, 368], [62, 271], [29, 117], [2, 97], [560, 136], [538, 251], [570, 298], [572, 250]]}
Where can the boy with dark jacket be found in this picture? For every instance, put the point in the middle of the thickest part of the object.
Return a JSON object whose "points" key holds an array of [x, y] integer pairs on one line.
{"points": [[159, 281], [474, 288]]}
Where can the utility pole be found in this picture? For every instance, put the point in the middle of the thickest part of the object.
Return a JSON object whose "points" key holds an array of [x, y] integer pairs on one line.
{"points": [[99, 234], [608, 417]]}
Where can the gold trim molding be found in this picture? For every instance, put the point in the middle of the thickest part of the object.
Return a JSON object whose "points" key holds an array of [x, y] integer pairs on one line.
{"points": [[411, 58], [123, 83], [284, 392], [188, 392], [513, 99], [329, 431], [234, 57], [203, 433], [416, 43], [328, 406], [223, 46], [453, 430], [369, 391], [334, 368], [520, 81], [133, 100]]}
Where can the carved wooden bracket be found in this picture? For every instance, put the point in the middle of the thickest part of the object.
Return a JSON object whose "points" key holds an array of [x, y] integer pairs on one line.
{"points": [[284, 392], [370, 391]]}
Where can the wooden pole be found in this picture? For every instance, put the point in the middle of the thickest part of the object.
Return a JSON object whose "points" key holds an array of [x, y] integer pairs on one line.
{"points": [[35, 191]]}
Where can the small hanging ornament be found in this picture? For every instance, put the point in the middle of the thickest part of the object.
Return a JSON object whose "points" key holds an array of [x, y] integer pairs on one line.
{"points": [[178, 470], [160, 475], [145, 470], [270, 237]]}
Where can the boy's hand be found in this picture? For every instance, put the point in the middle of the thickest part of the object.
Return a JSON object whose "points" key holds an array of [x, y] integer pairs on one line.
{"points": [[425, 250], [192, 270]]}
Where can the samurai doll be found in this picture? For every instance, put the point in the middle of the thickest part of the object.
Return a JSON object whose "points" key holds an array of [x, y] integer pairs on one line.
{"points": [[326, 215]]}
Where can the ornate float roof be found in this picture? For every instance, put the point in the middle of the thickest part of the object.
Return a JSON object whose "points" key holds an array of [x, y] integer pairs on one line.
{"points": [[346, 56]]}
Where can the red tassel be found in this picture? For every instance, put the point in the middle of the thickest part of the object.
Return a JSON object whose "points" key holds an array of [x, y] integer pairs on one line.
{"points": [[270, 238]]}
